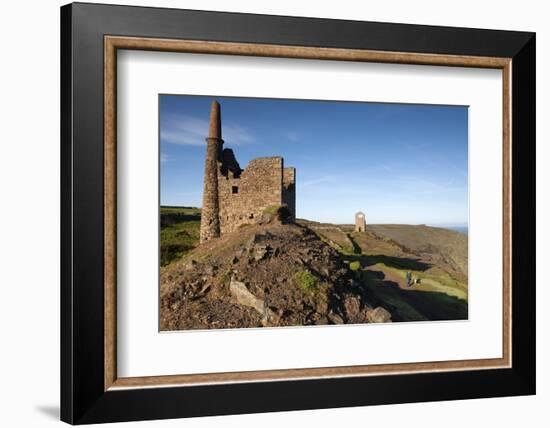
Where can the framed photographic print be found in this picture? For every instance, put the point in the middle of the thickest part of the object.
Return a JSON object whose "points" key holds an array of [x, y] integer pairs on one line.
{"points": [[265, 213]]}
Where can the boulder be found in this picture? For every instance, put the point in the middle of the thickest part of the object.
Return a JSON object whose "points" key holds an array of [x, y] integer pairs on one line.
{"points": [[322, 306], [261, 251], [210, 270], [191, 264], [257, 238], [244, 297], [335, 318], [205, 288], [378, 315], [352, 305]]}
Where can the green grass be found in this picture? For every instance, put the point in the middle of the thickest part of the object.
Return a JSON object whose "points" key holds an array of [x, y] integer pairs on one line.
{"points": [[355, 266], [305, 280], [392, 299], [440, 282], [437, 297], [179, 232]]}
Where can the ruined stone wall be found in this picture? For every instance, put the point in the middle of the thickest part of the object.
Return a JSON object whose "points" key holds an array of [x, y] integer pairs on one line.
{"points": [[289, 190], [243, 199]]}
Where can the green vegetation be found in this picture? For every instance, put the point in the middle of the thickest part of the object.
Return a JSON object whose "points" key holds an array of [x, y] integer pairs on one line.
{"points": [[430, 300], [390, 297], [305, 280], [433, 280], [179, 232], [272, 209], [355, 265]]}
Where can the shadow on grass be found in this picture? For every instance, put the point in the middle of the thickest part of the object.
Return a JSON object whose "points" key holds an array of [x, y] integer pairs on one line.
{"points": [[172, 252], [411, 304], [407, 263], [179, 234], [355, 248], [170, 219], [397, 262]]}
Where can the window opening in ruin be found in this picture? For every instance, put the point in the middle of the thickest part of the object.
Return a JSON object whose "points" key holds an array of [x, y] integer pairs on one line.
{"points": [[235, 190]]}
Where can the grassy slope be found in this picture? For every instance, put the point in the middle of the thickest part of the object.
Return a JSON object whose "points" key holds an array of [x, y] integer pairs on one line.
{"points": [[179, 232], [443, 291]]}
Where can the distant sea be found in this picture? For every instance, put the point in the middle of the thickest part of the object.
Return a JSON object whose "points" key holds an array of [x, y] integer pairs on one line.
{"points": [[461, 229]]}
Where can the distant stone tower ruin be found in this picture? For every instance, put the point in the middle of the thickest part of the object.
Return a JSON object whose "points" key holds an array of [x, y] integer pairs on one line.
{"points": [[360, 222], [233, 196]]}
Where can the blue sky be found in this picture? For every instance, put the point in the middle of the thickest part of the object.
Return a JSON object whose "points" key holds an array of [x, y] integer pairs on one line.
{"points": [[399, 163]]}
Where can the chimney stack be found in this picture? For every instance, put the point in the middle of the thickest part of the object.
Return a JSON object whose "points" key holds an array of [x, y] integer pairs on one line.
{"points": [[210, 213]]}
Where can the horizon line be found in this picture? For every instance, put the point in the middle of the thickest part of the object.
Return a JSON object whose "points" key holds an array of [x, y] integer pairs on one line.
{"points": [[428, 223]]}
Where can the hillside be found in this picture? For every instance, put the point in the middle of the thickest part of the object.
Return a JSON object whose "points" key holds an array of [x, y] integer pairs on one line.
{"points": [[276, 274], [437, 257]]}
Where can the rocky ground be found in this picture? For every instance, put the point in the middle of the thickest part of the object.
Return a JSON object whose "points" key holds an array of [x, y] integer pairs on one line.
{"points": [[263, 275]]}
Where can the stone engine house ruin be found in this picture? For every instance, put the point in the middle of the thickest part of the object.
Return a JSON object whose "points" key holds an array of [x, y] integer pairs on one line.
{"points": [[360, 222], [233, 196]]}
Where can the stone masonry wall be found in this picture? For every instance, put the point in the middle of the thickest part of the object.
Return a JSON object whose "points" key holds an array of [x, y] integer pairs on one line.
{"points": [[242, 200], [289, 190]]}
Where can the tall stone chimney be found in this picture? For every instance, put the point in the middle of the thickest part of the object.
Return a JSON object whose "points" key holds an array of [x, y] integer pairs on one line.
{"points": [[210, 214]]}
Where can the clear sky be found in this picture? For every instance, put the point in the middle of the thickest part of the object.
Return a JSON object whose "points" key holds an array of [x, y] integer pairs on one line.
{"points": [[398, 163]]}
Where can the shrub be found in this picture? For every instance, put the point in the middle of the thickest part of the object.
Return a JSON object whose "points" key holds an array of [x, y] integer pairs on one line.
{"points": [[355, 266], [305, 280]]}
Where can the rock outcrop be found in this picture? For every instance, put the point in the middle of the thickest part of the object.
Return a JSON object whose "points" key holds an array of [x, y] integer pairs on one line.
{"points": [[272, 274]]}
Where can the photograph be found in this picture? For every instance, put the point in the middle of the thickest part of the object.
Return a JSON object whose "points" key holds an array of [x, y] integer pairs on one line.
{"points": [[294, 213]]}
